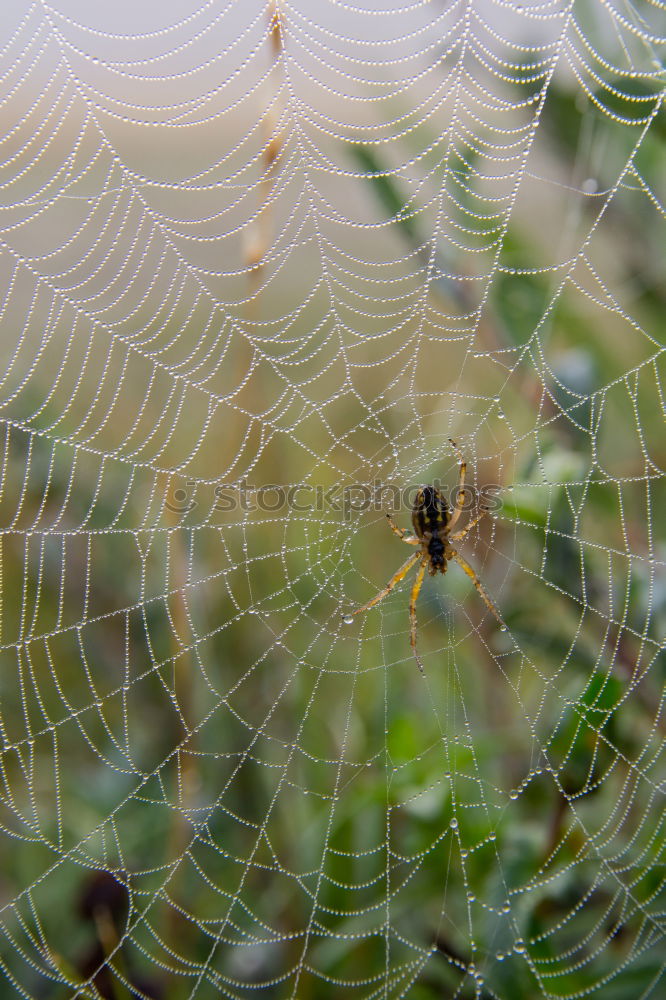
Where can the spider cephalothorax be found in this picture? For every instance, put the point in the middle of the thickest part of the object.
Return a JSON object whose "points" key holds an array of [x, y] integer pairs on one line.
{"points": [[433, 519]]}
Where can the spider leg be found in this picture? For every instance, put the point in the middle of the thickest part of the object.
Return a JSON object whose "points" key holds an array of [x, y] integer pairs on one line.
{"points": [[412, 609], [457, 510], [461, 534], [452, 554], [401, 532], [396, 578]]}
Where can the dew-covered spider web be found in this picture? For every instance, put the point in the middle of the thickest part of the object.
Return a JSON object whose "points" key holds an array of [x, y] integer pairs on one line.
{"points": [[260, 262]]}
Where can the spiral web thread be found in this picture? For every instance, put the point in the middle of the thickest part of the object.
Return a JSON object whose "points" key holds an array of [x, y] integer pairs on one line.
{"points": [[305, 244]]}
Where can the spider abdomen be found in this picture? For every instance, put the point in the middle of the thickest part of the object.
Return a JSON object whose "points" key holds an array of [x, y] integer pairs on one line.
{"points": [[431, 512]]}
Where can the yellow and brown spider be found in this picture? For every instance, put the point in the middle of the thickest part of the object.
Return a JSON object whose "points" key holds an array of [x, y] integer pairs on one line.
{"points": [[433, 519]]}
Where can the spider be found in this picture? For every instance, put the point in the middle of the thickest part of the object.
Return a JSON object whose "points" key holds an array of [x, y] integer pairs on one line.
{"points": [[433, 520]]}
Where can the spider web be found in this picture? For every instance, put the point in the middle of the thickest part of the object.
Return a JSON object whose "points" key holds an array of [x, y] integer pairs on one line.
{"points": [[248, 248]]}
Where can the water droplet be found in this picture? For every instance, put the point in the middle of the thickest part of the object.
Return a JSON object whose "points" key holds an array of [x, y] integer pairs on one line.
{"points": [[500, 956], [501, 415], [506, 908], [503, 628], [454, 824], [348, 619], [519, 948]]}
